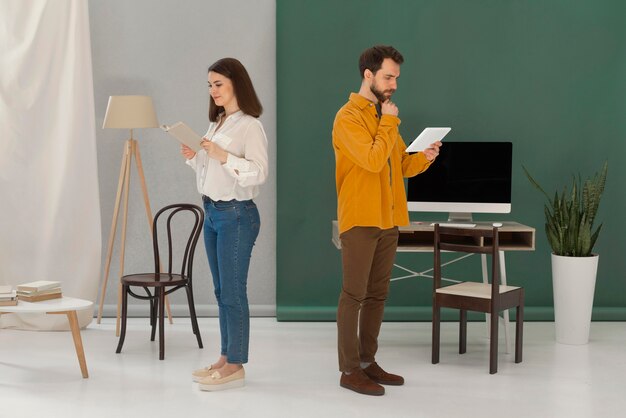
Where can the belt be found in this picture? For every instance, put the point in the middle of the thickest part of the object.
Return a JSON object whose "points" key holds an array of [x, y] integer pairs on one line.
{"points": [[206, 198]]}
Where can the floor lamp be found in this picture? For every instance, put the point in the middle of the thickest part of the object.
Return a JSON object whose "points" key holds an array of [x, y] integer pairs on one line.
{"points": [[127, 112]]}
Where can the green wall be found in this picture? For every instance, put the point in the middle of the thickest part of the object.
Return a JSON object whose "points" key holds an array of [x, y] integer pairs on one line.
{"points": [[549, 76]]}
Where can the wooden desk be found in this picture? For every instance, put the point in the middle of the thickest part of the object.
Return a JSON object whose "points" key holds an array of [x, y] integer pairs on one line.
{"points": [[419, 237]]}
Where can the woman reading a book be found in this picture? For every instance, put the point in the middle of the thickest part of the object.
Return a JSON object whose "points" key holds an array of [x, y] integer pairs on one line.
{"points": [[229, 169]]}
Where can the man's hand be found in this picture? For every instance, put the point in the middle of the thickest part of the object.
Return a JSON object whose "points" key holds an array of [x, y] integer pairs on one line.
{"points": [[433, 151], [187, 152], [214, 151], [389, 108]]}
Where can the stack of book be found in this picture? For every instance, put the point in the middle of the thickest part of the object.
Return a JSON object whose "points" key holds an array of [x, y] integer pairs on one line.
{"points": [[8, 296], [39, 290]]}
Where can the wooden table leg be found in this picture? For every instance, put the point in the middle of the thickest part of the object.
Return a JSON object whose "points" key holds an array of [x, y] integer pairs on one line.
{"points": [[78, 342]]}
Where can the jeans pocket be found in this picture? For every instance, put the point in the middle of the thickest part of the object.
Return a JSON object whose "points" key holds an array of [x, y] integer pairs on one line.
{"points": [[253, 218]]}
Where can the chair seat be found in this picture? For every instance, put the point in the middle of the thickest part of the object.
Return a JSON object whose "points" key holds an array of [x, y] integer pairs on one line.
{"points": [[154, 280], [473, 289]]}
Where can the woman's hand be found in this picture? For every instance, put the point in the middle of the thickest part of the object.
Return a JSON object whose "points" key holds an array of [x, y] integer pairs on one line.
{"points": [[214, 151], [187, 152]]}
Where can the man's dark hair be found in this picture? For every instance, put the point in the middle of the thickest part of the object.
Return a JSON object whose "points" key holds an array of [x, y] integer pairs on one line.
{"points": [[372, 58], [242, 87]]}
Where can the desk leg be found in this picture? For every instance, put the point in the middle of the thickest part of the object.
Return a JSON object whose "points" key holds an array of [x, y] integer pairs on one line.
{"points": [[505, 314], [483, 262], [78, 342]]}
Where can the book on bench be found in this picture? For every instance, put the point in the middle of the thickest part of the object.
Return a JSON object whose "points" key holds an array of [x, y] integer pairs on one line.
{"points": [[38, 286], [41, 296], [39, 290], [8, 296]]}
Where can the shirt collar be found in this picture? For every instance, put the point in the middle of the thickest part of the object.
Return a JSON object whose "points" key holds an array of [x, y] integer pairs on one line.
{"points": [[360, 101], [238, 114]]}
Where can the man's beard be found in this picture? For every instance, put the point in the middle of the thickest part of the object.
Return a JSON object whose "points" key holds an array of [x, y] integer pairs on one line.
{"points": [[382, 96]]}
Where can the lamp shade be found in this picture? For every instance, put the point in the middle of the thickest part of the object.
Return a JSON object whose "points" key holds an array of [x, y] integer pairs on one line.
{"points": [[130, 112]]}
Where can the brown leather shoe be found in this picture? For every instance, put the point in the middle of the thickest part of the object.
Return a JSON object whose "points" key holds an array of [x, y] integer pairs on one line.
{"points": [[359, 382], [378, 375]]}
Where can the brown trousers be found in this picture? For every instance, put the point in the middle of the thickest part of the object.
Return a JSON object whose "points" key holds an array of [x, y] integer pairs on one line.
{"points": [[368, 254]]}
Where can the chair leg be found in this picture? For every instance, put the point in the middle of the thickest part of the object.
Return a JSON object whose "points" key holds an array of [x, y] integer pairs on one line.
{"points": [[493, 344], [124, 315], [436, 333], [153, 314], [463, 332], [161, 323], [192, 313], [519, 331]]}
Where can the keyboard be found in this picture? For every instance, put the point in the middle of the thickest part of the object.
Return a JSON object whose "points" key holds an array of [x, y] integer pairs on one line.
{"points": [[455, 225]]}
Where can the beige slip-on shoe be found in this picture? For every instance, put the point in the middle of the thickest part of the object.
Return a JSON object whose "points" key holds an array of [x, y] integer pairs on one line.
{"points": [[217, 382], [200, 374]]}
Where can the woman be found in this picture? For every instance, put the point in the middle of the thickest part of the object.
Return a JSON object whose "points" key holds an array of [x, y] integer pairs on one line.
{"points": [[229, 170]]}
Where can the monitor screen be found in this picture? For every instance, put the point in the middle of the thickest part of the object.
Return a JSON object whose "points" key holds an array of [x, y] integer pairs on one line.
{"points": [[466, 177]]}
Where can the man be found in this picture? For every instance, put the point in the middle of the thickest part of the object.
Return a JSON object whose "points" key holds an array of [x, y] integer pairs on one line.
{"points": [[371, 203]]}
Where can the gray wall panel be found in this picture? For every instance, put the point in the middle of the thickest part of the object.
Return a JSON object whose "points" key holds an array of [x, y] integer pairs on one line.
{"points": [[163, 49]]}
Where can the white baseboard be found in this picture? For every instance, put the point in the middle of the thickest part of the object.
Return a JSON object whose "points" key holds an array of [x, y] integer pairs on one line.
{"points": [[183, 310]]}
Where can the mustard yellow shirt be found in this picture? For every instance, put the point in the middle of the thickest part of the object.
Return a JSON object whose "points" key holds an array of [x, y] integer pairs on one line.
{"points": [[371, 162]]}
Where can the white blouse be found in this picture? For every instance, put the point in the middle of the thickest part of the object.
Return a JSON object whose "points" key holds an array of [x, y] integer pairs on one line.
{"points": [[243, 138]]}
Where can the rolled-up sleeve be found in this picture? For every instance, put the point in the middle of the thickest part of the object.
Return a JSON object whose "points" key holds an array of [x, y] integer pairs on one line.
{"points": [[252, 168]]}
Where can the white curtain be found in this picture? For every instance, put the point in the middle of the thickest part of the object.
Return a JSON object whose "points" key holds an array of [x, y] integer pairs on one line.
{"points": [[50, 211]]}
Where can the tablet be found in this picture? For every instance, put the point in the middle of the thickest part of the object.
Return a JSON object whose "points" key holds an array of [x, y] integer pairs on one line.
{"points": [[427, 137], [185, 135]]}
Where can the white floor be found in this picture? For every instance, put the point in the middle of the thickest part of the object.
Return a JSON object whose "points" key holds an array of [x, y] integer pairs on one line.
{"points": [[293, 373]]}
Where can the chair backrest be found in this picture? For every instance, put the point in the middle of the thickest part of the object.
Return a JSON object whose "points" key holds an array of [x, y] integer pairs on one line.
{"points": [[468, 240], [165, 216]]}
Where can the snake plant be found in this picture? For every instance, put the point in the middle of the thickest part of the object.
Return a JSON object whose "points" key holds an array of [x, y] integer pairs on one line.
{"points": [[570, 215]]}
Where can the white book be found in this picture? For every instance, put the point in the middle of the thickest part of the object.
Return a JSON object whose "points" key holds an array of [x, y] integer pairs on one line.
{"points": [[8, 295], [38, 286], [185, 135], [6, 288], [38, 292]]}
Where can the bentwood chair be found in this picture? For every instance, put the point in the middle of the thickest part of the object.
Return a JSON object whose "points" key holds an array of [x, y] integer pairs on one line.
{"points": [[159, 284], [474, 296]]}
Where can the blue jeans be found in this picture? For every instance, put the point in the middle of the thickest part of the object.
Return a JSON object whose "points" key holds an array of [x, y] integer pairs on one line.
{"points": [[230, 230]]}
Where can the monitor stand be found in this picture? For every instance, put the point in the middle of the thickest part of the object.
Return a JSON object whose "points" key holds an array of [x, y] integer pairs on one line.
{"points": [[460, 217]]}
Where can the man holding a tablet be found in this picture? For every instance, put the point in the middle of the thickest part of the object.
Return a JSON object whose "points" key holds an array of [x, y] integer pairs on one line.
{"points": [[371, 161]]}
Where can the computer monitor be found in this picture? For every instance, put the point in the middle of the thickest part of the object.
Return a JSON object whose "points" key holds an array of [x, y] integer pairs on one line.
{"points": [[466, 178]]}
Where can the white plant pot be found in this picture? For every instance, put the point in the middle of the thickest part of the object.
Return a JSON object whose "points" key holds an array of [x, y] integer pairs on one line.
{"points": [[574, 283]]}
